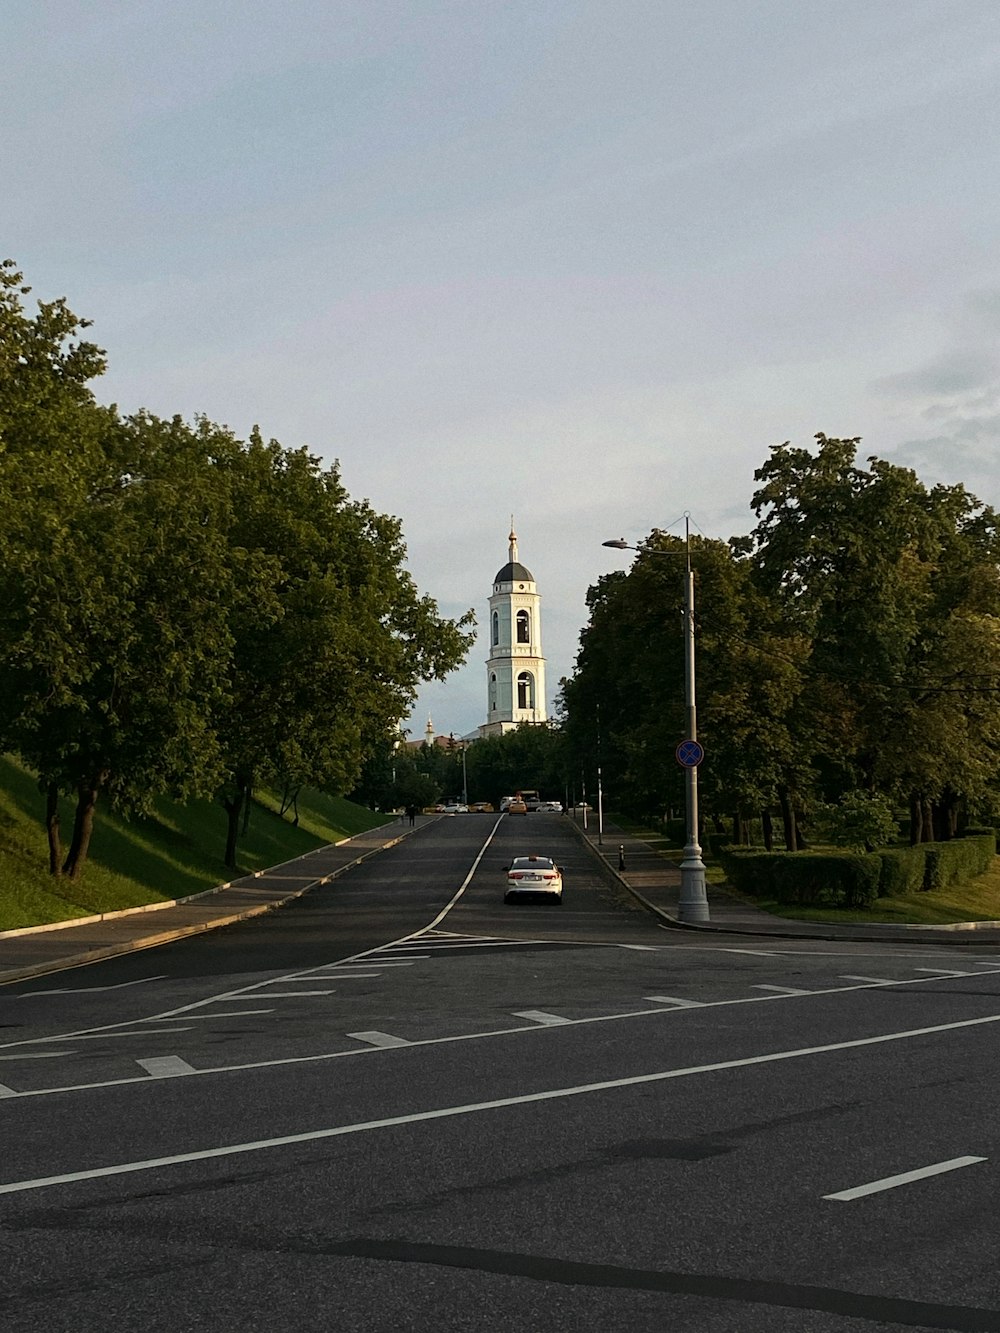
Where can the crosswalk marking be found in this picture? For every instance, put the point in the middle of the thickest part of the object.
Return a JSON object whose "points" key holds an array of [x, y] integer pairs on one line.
{"points": [[783, 990], [675, 1000], [166, 1066], [540, 1016], [385, 1039]]}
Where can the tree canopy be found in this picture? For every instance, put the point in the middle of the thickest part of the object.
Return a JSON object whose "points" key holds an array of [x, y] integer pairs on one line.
{"points": [[185, 612]]}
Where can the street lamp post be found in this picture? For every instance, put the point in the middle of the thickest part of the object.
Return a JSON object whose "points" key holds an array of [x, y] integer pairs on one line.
{"points": [[693, 903]]}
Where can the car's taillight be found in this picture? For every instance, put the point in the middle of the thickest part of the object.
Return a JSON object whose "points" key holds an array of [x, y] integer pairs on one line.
{"points": [[516, 875]]}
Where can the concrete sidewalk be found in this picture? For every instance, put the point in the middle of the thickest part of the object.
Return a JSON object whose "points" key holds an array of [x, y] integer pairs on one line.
{"points": [[39, 949], [655, 882]]}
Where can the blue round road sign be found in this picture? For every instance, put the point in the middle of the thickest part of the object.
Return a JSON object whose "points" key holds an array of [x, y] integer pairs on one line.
{"points": [[689, 754]]}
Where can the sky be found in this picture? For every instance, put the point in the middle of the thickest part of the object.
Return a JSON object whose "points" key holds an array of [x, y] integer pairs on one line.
{"points": [[580, 262]]}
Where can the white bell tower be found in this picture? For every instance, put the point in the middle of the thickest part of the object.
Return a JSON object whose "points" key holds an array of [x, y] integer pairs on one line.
{"points": [[515, 669]]}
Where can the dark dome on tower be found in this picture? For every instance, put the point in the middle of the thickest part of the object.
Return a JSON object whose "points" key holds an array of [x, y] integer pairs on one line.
{"points": [[514, 572]]}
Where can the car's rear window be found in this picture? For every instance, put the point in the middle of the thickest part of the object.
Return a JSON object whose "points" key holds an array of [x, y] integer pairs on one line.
{"points": [[543, 861]]}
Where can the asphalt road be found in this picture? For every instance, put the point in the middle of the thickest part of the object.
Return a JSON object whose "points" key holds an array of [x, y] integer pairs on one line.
{"points": [[523, 1117]]}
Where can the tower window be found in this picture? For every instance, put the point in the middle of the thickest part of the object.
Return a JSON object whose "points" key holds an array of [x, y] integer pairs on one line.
{"points": [[526, 690], [496, 629], [493, 692], [523, 627]]}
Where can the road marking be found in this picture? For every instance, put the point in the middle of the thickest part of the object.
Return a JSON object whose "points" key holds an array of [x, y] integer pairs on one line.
{"points": [[166, 1066], [463, 886], [107, 1036], [93, 990], [487, 1035], [203, 1018], [675, 1000], [783, 990], [650, 948], [905, 1178], [872, 981], [371, 962], [6, 1092], [384, 1040], [286, 994], [348, 976], [474, 1108], [758, 953], [36, 1055], [540, 1016], [945, 972]]}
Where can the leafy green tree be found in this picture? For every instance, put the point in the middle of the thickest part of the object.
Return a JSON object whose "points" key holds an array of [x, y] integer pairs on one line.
{"points": [[329, 658]]}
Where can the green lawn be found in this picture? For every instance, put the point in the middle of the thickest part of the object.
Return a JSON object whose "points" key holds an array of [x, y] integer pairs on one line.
{"points": [[978, 900], [176, 852]]}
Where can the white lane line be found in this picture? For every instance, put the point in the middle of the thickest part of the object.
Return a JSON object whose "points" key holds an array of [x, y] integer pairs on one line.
{"points": [[93, 990], [204, 1018], [346, 976], [384, 1040], [286, 994], [758, 953], [644, 948], [783, 990], [166, 1066], [6, 1092], [540, 1016], [945, 972], [104, 1036], [871, 981], [487, 1035], [473, 1108], [905, 1178], [36, 1055], [370, 962], [676, 1001], [422, 934]]}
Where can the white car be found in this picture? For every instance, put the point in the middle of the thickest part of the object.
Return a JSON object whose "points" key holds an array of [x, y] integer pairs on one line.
{"points": [[550, 807], [534, 877], [454, 808]]}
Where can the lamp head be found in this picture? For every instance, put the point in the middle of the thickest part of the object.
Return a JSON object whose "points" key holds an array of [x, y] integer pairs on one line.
{"points": [[619, 544]]}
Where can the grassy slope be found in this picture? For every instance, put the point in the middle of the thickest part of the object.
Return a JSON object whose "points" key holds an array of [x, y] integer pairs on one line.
{"points": [[978, 900], [176, 852]]}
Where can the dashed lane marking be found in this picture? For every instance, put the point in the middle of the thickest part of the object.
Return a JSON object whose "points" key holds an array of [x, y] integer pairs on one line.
{"points": [[676, 1001], [540, 1016], [904, 1178], [871, 981], [166, 1066], [478, 1108], [381, 1039]]}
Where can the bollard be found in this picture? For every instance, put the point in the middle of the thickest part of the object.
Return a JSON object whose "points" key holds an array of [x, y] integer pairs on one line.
{"points": [[621, 856]]}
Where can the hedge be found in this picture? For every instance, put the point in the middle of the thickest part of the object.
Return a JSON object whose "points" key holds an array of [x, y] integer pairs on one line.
{"points": [[843, 880], [811, 878]]}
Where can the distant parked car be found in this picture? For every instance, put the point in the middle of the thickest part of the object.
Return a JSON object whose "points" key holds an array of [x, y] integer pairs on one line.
{"points": [[454, 808], [481, 808], [550, 807], [516, 808], [534, 877]]}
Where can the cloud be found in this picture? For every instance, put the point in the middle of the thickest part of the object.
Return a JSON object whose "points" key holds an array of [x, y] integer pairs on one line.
{"points": [[950, 375]]}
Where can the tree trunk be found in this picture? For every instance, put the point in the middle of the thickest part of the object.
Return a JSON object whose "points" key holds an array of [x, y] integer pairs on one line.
{"points": [[927, 820], [767, 829], [83, 825], [788, 821], [232, 807], [52, 829], [246, 810], [916, 820]]}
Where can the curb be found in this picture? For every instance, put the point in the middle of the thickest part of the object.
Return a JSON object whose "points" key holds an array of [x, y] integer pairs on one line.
{"points": [[181, 932], [673, 923]]}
